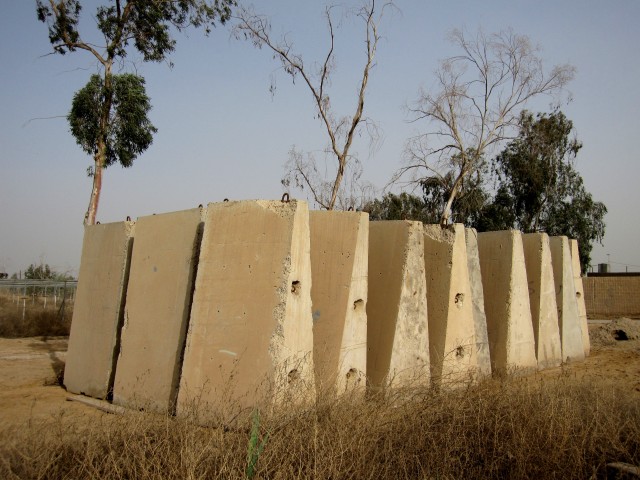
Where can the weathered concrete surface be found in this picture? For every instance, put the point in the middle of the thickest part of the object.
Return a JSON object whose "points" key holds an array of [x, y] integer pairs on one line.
{"points": [[506, 300], [398, 331], [250, 337], [542, 298], [452, 342], [339, 268], [568, 316], [98, 309], [477, 297], [157, 308], [580, 298]]}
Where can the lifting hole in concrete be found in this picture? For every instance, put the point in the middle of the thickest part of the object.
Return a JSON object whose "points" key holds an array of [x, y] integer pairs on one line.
{"points": [[358, 304], [295, 286], [293, 375], [459, 300], [578, 294], [352, 378]]}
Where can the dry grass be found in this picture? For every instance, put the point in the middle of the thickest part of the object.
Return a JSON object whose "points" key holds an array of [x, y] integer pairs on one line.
{"points": [[536, 427], [37, 320]]}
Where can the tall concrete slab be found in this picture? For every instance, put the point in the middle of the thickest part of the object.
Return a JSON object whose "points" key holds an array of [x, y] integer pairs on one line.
{"points": [[580, 298], [339, 268], [568, 316], [250, 337], [161, 280], [506, 300], [397, 322], [99, 309], [542, 299], [477, 298], [452, 341]]}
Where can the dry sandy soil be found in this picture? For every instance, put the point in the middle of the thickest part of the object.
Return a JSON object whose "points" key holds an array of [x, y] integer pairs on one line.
{"points": [[30, 367]]}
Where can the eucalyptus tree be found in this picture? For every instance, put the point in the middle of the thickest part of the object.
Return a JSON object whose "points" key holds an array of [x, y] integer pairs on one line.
{"points": [[302, 170], [109, 115]]}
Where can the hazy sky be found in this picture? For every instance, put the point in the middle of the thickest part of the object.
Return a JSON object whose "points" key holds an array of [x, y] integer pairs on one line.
{"points": [[221, 134]]}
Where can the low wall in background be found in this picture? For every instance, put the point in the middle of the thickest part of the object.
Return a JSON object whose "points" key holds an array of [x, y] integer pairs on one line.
{"points": [[612, 295]]}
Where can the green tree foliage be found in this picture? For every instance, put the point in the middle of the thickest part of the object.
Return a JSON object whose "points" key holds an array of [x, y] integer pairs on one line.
{"points": [[129, 130], [39, 272], [539, 188], [147, 27]]}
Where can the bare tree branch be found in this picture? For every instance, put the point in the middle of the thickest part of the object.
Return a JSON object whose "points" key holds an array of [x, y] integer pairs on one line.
{"points": [[481, 93]]}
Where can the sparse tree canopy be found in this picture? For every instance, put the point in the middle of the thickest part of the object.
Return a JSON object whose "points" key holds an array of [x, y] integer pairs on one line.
{"points": [[144, 26], [475, 107], [302, 169]]}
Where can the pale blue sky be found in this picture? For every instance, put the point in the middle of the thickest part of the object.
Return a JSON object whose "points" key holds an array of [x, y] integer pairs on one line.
{"points": [[221, 134]]}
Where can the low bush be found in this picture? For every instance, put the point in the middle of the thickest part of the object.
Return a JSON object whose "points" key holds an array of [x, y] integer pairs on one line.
{"points": [[33, 320]]}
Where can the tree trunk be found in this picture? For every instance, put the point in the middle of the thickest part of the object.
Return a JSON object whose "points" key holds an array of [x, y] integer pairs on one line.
{"points": [[101, 149]]}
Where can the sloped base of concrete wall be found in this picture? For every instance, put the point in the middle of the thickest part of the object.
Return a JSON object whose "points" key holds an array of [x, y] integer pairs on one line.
{"points": [[250, 339], [339, 266], [398, 330], [580, 298], [452, 341], [98, 309], [542, 298], [568, 317], [506, 300], [477, 297]]}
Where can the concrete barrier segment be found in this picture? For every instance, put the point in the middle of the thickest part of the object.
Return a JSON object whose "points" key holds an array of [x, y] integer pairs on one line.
{"points": [[250, 337], [542, 299], [580, 298], [452, 342], [506, 300], [99, 309], [339, 269], [397, 323], [163, 264], [568, 316], [477, 297]]}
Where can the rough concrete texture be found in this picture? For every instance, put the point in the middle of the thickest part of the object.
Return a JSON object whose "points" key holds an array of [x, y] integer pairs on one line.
{"points": [[250, 337], [542, 299], [161, 279], [452, 342], [397, 324], [339, 268], [568, 316], [506, 300], [477, 297], [98, 309], [577, 282]]}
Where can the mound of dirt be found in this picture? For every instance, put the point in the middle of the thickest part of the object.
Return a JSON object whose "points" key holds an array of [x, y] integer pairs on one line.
{"points": [[618, 330]]}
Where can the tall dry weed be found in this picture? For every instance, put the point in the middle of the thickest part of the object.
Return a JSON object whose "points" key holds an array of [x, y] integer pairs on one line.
{"points": [[535, 427]]}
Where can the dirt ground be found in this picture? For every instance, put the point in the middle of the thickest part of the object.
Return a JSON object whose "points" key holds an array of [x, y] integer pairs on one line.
{"points": [[30, 369]]}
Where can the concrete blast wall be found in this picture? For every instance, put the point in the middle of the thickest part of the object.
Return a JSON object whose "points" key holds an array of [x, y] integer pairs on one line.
{"points": [[477, 297], [339, 268], [452, 342], [98, 309], [542, 298], [397, 325], [250, 340], [506, 300], [577, 283], [568, 316], [157, 310]]}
